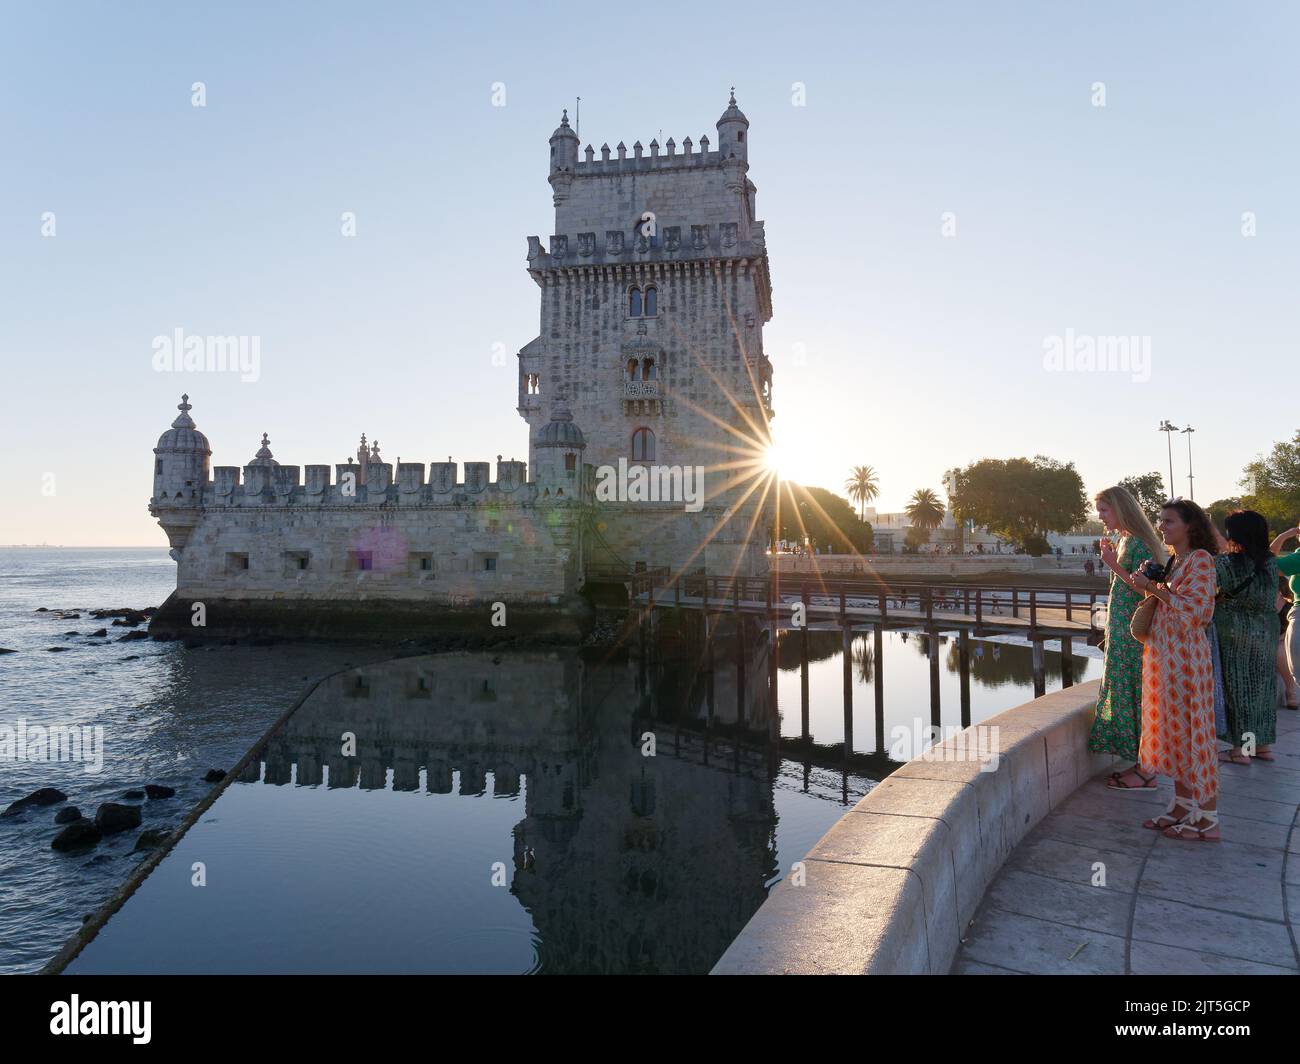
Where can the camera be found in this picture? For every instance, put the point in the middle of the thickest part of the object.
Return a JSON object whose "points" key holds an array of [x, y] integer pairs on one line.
{"points": [[1154, 571]]}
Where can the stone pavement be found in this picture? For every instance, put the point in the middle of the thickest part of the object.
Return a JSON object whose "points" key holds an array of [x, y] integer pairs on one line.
{"points": [[1167, 907]]}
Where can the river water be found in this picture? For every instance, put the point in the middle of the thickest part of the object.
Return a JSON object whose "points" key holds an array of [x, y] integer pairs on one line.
{"points": [[499, 812]]}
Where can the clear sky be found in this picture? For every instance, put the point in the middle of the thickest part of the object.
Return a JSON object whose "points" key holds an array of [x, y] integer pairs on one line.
{"points": [[893, 344]]}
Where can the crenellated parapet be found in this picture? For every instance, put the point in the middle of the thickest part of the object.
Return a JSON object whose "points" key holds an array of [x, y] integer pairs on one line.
{"points": [[183, 488], [416, 484], [690, 243]]}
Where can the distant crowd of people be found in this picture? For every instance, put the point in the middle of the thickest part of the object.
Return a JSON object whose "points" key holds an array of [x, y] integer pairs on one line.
{"points": [[1197, 683]]}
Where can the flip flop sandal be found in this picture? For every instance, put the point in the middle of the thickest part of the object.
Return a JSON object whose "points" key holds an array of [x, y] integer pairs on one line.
{"points": [[1265, 756], [1226, 758], [1116, 781]]}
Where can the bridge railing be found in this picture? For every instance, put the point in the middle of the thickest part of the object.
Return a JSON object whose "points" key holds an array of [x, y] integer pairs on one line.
{"points": [[777, 592]]}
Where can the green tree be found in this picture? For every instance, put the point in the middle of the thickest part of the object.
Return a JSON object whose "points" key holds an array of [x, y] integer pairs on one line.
{"points": [[916, 537], [924, 510], [826, 519], [862, 487], [1149, 490], [1220, 508], [1021, 499], [1272, 484]]}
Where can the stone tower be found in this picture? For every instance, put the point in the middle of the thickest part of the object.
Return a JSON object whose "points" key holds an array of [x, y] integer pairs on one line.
{"points": [[654, 291]]}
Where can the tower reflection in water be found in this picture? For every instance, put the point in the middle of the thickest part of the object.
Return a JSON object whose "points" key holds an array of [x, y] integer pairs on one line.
{"points": [[631, 818]]}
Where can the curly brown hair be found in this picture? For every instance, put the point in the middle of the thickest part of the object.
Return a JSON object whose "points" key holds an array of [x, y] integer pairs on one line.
{"points": [[1200, 532]]}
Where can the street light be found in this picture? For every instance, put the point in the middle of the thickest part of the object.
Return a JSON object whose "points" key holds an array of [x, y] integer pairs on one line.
{"points": [[1191, 488], [1167, 427]]}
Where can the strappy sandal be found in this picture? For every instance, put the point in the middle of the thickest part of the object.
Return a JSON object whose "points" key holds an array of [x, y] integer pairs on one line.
{"points": [[1264, 755], [1186, 831], [1116, 781], [1155, 824], [1228, 758]]}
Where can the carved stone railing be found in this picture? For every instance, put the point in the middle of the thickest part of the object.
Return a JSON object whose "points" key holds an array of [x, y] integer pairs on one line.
{"points": [[640, 389]]}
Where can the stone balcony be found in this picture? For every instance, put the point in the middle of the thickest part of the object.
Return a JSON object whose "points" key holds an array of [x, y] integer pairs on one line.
{"points": [[641, 397]]}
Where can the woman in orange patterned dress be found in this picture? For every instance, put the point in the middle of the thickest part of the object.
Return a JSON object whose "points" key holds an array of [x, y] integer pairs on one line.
{"points": [[1178, 734]]}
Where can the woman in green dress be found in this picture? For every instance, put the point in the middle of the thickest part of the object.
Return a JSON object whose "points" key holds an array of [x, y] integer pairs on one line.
{"points": [[1245, 617], [1118, 723]]}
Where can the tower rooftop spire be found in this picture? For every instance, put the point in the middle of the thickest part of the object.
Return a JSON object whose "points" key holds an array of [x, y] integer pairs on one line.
{"points": [[183, 420], [733, 113]]}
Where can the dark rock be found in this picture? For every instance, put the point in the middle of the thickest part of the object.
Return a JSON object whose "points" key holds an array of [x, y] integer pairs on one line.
{"points": [[111, 817], [69, 616], [193, 644], [6, 650], [133, 635], [42, 609], [76, 836], [151, 839], [67, 815], [44, 796], [132, 657], [214, 775], [57, 650], [157, 790], [134, 795], [99, 633], [132, 619]]}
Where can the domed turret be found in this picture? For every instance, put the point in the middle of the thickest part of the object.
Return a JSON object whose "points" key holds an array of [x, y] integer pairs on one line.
{"points": [[557, 454], [560, 431], [564, 159], [733, 132], [564, 145], [181, 462]]}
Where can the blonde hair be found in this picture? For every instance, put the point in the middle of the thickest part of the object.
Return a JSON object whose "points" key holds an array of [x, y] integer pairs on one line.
{"points": [[1130, 519]]}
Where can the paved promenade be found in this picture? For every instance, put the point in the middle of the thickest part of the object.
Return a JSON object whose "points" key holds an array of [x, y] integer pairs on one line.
{"points": [[1167, 907]]}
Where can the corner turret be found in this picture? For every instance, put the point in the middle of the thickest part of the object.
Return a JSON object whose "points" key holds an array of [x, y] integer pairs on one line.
{"points": [[733, 144], [557, 455], [564, 159], [180, 473]]}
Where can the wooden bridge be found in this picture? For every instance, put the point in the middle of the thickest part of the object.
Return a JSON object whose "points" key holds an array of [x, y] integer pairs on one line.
{"points": [[811, 602], [1034, 612]]}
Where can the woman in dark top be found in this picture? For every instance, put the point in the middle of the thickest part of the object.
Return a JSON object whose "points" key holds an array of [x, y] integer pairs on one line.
{"points": [[1245, 617]]}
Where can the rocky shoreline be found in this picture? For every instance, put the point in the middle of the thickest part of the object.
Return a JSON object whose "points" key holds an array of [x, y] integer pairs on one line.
{"points": [[80, 834]]}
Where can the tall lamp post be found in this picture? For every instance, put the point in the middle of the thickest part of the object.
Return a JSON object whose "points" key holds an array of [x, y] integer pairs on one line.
{"points": [[1168, 427], [1191, 488]]}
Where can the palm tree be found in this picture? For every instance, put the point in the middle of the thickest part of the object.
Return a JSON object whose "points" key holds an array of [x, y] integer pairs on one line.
{"points": [[862, 487], [924, 510]]}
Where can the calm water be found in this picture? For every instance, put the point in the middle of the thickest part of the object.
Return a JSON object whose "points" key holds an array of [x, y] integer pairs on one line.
{"points": [[382, 860], [168, 714], [1001, 677], [530, 767]]}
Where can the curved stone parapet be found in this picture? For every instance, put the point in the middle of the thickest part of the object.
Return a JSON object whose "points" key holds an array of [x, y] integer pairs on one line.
{"points": [[891, 888]]}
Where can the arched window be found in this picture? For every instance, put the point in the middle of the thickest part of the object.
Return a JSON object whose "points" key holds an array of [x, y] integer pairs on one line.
{"points": [[648, 369], [570, 463], [631, 369], [634, 303], [643, 446], [651, 301]]}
